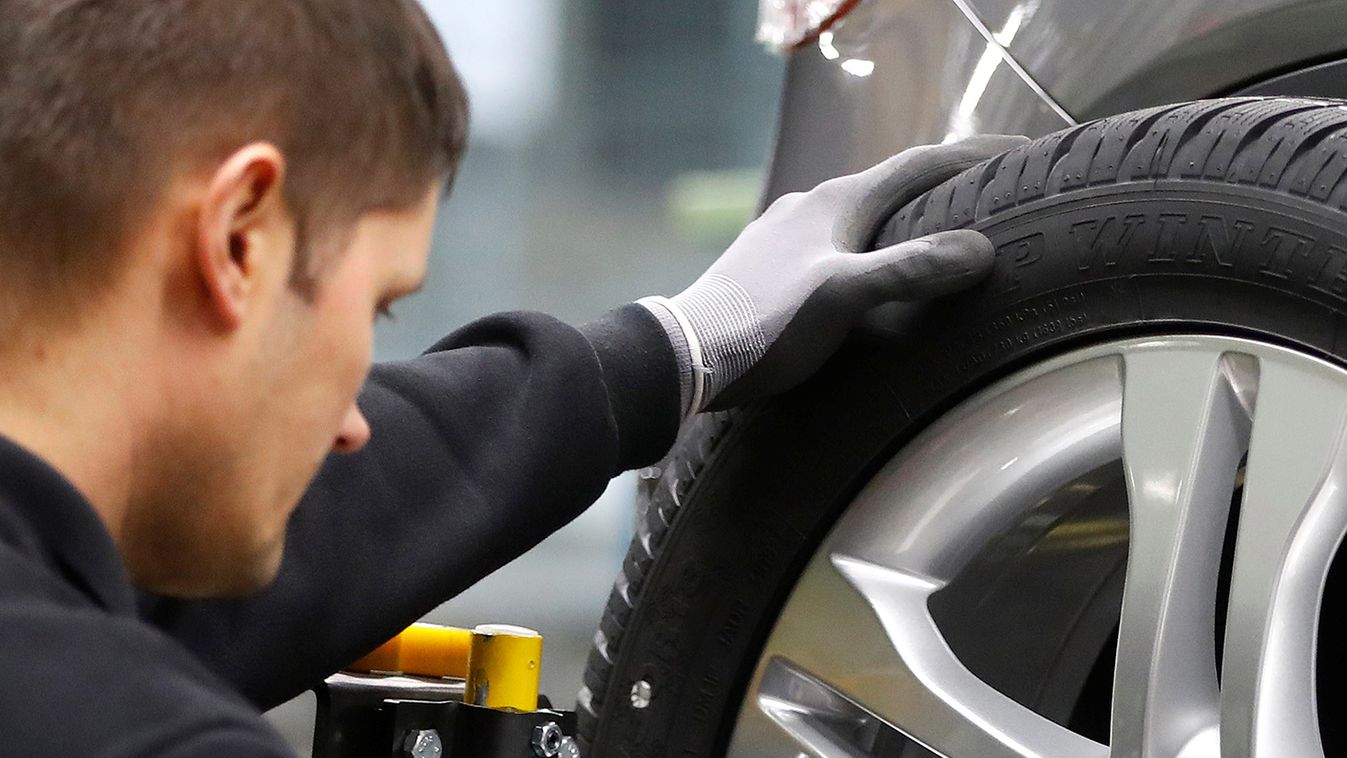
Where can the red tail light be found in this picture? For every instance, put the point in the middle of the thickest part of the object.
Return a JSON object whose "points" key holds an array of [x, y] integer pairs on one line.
{"points": [[787, 24]]}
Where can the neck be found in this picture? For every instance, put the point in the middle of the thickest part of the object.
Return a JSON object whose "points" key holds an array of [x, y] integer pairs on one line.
{"points": [[72, 400]]}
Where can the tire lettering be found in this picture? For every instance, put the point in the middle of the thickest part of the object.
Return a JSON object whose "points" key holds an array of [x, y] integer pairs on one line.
{"points": [[1214, 237], [1095, 239], [1287, 249], [1331, 278], [707, 688], [734, 622], [1045, 329], [1057, 315], [1022, 252], [1166, 242]]}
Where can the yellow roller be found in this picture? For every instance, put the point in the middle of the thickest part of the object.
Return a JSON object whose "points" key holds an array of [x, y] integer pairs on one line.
{"points": [[421, 650], [504, 663]]}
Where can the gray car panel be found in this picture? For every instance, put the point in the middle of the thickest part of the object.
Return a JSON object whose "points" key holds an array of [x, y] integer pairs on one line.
{"points": [[1097, 57], [889, 76], [1324, 80]]}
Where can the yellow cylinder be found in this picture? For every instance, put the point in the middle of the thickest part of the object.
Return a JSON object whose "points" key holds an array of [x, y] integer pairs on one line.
{"points": [[421, 650], [504, 663]]}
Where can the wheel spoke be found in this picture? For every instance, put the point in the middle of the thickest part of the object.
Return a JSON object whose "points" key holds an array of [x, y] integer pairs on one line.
{"points": [[1292, 518], [881, 564], [828, 631], [973, 479], [816, 715], [1184, 431], [891, 661]]}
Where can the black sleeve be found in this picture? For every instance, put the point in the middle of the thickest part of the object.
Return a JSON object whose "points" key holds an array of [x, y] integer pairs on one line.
{"points": [[498, 436]]}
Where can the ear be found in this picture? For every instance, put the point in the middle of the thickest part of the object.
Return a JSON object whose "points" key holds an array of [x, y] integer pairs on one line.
{"points": [[239, 230]]}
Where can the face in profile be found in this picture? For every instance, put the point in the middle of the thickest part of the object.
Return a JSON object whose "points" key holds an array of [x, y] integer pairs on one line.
{"points": [[277, 400]]}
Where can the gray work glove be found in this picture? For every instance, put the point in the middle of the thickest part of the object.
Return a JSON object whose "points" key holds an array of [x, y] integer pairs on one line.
{"points": [[781, 299]]}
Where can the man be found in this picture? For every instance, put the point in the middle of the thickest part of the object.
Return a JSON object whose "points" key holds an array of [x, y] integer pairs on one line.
{"points": [[203, 207]]}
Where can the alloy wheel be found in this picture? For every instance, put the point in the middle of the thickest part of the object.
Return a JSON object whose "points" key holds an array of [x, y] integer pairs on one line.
{"points": [[857, 652]]}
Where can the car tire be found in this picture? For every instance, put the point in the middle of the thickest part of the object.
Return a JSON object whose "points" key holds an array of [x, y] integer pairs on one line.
{"points": [[1217, 217]]}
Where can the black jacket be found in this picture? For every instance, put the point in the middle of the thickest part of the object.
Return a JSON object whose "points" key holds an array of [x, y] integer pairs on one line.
{"points": [[496, 437]]}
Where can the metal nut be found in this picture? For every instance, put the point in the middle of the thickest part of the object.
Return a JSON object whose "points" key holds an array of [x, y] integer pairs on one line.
{"points": [[423, 743], [547, 740], [641, 692]]}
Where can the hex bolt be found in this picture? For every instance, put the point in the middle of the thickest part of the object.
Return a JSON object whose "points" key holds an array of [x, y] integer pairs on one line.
{"points": [[422, 743], [640, 694], [547, 740]]}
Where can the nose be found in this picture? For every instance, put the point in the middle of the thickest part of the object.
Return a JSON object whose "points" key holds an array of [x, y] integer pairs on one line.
{"points": [[354, 432]]}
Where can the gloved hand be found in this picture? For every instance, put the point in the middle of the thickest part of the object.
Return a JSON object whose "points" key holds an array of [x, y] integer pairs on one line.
{"points": [[781, 299]]}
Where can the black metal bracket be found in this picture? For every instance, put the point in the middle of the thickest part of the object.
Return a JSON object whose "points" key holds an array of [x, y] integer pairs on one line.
{"points": [[371, 716]]}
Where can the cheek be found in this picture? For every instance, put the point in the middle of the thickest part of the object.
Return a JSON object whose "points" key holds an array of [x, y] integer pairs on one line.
{"points": [[348, 343], [356, 364], [337, 346], [345, 309]]}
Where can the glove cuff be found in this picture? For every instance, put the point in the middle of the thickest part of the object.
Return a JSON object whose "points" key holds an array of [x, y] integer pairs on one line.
{"points": [[728, 329], [692, 371]]}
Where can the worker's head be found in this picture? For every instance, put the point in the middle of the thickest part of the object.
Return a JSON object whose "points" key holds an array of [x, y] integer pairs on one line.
{"points": [[203, 205]]}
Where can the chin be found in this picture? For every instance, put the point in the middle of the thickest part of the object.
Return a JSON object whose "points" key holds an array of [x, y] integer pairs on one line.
{"points": [[241, 580], [211, 573]]}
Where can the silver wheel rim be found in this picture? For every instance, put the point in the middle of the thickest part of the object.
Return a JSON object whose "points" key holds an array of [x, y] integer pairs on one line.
{"points": [[856, 643]]}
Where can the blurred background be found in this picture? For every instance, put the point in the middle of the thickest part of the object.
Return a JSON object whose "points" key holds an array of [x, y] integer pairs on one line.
{"points": [[616, 149]]}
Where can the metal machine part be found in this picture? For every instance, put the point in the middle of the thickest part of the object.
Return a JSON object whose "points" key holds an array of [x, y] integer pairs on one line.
{"points": [[440, 692], [367, 716], [351, 719], [1185, 421], [547, 739], [503, 666], [423, 743], [641, 693]]}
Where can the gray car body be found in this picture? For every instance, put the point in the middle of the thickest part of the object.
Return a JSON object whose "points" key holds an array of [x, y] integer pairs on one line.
{"points": [[897, 73]]}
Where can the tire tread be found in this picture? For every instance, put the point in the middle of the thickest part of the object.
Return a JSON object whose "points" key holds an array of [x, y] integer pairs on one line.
{"points": [[1296, 146], [664, 490]]}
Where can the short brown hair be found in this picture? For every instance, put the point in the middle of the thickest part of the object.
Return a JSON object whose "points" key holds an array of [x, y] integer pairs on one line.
{"points": [[103, 102]]}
